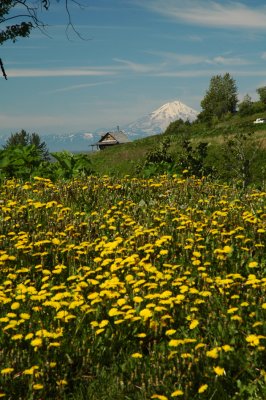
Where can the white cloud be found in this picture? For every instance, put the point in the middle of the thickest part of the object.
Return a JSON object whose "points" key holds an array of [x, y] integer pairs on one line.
{"points": [[136, 67], [77, 87], [125, 65], [33, 73], [221, 60], [191, 59], [220, 14], [179, 58], [210, 72]]}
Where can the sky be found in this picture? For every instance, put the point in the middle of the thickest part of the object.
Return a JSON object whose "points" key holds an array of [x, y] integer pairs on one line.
{"points": [[128, 58]]}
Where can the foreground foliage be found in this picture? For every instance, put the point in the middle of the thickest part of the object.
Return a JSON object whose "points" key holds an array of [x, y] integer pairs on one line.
{"points": [[132, 289]]}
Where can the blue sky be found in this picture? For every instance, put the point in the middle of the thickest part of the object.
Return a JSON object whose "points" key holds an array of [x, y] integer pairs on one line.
{"points": [[136, 55]]}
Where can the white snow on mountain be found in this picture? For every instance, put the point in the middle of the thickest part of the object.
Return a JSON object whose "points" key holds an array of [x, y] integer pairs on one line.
{"points": [[157, 121]]}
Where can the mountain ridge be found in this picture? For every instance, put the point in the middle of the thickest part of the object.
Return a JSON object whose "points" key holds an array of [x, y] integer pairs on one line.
{"points": [[150, 124]]}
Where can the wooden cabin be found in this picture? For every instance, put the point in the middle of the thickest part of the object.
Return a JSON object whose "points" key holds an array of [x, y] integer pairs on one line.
{"points": [[111, 139]]}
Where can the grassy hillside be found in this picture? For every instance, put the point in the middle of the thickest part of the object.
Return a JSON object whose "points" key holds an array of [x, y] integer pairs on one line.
{"points": [[122, 160]]}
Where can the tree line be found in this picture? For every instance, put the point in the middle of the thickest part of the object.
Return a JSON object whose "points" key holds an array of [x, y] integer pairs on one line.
{"points": [[221, 99]]}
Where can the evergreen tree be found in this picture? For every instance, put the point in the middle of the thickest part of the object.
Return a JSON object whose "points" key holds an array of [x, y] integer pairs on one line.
{"points": [[220, 98], [24, 139]]}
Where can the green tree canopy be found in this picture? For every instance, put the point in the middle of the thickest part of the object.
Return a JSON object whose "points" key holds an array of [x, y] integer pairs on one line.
{"points": [[262, 93], [246, 106], [220, 98], [24, 139]]}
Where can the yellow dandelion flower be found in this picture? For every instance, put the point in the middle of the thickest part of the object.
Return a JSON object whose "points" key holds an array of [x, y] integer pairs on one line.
{"points": [[258, 323], [212, 353], [186, 355], [136, 355], [253, 340], [159, 397], [99, 331], [137, 299], [165, 294], [103, 323], [6, 319], [236, 318], [52, 364], [219, 370], [264, 306], [62, 382], [62, 314], [175, 342], [194, 323], [145, 313], [205, 293], [183, 289], [30, 371], [197, 262], [36, 342], [120, 321], [227, 348], [196, 254], [37, 386], [24, 316], [202, 388], [253, 264], [113, 312], [198, 346], [15, 305], [232, 310], [6, 371], [54, 344], [121, 302], [177, 393], [170, 332], [227, 249], [179, 297], [141, 335], [29, 336], [18, 336]]}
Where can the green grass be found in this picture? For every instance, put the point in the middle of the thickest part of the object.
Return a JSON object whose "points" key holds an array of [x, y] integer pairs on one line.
{"points": [[123, 159]]}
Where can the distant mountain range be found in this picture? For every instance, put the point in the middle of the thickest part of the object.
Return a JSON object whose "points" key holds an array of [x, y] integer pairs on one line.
{"points": [[152, 124]]}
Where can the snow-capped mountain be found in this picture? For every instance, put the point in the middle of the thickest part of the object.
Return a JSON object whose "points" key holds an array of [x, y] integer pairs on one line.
{"points": [[157, 121], [154, 123]]}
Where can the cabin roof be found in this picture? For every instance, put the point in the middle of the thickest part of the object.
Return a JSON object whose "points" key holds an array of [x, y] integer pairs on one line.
{"points": [[114, 137]]}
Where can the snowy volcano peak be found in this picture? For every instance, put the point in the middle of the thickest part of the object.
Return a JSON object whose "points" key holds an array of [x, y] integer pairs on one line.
{"points": [[158, 120], [173, 111]]}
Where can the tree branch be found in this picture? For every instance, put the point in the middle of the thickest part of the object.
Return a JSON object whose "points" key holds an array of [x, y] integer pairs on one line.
{"points": [[3, 69], [27, 11]]}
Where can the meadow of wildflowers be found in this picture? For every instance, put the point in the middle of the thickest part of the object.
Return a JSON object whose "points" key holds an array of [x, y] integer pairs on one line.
{"points": [[132, 289]]}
